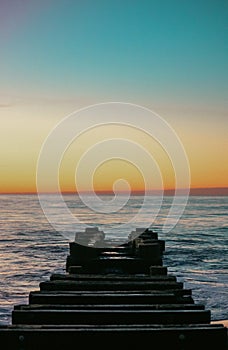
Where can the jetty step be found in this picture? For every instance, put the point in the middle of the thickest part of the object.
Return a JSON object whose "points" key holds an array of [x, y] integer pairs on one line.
{"points": [[75, 298], [152, 270], [128, 265], [177, 337], [106, 317], [109, 285], [112, 277], [110, 307]]}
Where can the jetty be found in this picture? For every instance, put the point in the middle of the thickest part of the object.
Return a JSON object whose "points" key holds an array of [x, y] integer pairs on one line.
{"points": [[112, 295]]}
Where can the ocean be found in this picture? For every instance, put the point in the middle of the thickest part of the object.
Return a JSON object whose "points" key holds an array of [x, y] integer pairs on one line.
{"points": [[196, 247]]}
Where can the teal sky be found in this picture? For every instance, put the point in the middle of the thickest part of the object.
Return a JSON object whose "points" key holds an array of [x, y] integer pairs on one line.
{"points": [[152, 51]]}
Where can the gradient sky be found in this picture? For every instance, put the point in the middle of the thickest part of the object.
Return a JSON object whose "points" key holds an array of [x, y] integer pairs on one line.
{"points": [[58, 56]]}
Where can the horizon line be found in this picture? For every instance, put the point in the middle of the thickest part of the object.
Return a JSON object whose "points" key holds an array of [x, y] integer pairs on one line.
{"points": [[204, 191]]}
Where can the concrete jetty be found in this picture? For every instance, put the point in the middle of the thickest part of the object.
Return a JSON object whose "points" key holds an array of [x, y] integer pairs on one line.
{"points": [[118, 295]]}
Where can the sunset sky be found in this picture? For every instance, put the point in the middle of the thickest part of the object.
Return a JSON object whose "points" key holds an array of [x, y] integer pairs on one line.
{"points": [[59, 56]]}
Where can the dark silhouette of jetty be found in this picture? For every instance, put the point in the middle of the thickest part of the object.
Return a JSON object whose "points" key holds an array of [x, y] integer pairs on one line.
{"points": [[113, 294]]}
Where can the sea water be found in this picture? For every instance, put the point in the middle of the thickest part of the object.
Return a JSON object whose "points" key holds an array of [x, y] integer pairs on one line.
{"points": [[196, 247]]}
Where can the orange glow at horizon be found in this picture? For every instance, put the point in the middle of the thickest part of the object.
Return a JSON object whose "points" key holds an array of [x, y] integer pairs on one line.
{"points": [[20, 147], [106, 174]]}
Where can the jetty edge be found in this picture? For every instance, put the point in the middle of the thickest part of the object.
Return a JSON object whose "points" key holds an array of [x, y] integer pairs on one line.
{"points": [[118, 295]]}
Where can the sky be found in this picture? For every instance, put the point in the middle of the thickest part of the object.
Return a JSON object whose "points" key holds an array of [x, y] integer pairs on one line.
{"points": [[168, 56]]}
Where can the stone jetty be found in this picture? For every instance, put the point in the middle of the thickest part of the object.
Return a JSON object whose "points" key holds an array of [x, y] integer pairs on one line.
{"points": [[112, 295]]}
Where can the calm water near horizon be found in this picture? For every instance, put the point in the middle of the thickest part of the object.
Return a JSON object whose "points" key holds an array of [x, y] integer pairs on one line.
{"points": [[196, 248]]}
